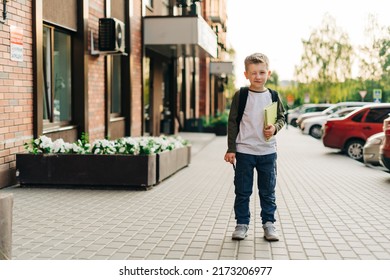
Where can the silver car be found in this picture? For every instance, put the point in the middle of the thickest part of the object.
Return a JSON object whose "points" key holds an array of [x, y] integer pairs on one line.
{"points": [[371, 149], [313, 126], [293, 114], [330, 110]]}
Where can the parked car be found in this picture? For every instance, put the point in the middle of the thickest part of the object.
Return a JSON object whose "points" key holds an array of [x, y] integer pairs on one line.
{"points": [[313, 126], [371, 149], [331, 110], [293, 114], [384, 150], [350, 133]]}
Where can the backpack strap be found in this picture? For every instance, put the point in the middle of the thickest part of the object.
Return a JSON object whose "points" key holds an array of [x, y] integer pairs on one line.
{"points": [[243, 97], [274, 95]]}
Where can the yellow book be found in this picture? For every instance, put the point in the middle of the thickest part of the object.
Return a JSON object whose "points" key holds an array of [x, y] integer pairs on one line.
{"points": [[270, 113]]}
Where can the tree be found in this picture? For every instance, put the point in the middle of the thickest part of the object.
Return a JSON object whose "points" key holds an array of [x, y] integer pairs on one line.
{"points": [[370, 67], [326, 59], [274, 79], [384, 54], [375, 58]]}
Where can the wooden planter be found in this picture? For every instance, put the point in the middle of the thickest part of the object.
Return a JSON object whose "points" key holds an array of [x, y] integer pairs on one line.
{"points": [[90, 170], [169, 162], [100, 170]]}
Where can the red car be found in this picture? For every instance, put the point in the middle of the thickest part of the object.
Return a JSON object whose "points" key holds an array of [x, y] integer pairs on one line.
{"points": [[384, 150], [350, 133]]}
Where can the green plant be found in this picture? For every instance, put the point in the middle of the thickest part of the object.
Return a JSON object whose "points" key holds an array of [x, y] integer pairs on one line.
{"points": [[220, 119]]}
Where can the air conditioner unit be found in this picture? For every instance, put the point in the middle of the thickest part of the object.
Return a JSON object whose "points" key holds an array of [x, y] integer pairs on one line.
{"points": [[111, 35]]}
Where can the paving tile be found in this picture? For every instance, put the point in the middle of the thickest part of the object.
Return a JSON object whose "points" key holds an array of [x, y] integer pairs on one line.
{"points": [[297, 256], [174, 255], [194, 252], [245, 256], [321, 215], [154, 257]]}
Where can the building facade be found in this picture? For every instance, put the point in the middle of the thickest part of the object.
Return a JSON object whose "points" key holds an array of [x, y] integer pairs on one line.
{"points": [[104, 68]]}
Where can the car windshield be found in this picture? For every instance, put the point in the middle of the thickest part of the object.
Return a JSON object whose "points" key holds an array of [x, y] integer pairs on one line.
{"points": [[343, 112]]}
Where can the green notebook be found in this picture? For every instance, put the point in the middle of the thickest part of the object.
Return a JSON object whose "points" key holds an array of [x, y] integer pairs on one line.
{"points": [[270, 113]]}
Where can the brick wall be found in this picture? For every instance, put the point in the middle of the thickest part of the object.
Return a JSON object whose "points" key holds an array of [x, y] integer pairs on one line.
{"points": [[96, 77], [136, 69], [16, 89], [16, 83]]}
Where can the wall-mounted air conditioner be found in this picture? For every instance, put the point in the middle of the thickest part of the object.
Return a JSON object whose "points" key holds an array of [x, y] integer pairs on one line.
{"points": [[111, 35]]}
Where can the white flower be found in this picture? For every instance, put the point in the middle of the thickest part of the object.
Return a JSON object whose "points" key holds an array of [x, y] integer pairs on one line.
{"points": [[126, 145], [103, 147], [58, 146]]}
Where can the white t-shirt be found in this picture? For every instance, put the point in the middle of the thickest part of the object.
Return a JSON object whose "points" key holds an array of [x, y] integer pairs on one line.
{"points": [[251, 139]]}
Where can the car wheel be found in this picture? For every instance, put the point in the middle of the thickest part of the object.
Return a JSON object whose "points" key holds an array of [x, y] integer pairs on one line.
{"points": [[316, 131], [354, 149]]}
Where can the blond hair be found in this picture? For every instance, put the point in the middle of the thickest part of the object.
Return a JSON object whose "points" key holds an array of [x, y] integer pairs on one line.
{"points": [[255, 59]]}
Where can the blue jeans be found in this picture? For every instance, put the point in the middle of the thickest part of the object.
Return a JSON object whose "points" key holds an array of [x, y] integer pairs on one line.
{"points": [[266, 181]]}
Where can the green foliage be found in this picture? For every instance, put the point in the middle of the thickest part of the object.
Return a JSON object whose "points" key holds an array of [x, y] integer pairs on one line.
{"points": [[326, 59], [325, 71], [324, 74], [218, 119]]}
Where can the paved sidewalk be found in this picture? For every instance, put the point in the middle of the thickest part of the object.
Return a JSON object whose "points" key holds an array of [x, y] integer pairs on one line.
{"points": [[329, 207]]}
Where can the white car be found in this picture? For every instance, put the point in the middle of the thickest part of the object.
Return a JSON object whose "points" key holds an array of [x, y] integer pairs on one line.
{"points": [[330, 110], [371, 149], [313, 126], [293, 114]]}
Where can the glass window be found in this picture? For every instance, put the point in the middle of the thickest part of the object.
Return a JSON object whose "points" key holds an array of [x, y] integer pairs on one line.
{"points": [[116, 95], [57, 92], [47, 65], [377, 115], [358, 117]]}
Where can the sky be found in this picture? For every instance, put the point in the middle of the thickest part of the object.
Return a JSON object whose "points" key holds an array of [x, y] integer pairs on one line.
{"points": [[277, 27]]}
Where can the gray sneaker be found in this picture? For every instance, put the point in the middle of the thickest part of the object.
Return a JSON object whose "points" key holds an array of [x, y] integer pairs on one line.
{"points": [[270, 233], [240, 232]]}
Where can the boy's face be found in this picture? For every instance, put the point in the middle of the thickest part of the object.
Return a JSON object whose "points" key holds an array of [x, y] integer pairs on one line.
{"points": [[257, 74]]}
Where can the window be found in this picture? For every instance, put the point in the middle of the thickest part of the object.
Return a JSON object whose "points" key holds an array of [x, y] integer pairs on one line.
{"points": [[116, 93], [359, 116], [377, 115], [57, 82]]}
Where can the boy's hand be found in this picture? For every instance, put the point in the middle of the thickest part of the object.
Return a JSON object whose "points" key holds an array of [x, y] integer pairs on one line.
{"points": [[230, 157], [269, 131]]}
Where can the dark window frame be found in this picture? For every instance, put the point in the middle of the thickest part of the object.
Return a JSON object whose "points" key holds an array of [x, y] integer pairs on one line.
{"points": [[116, 80], [49, 123]]}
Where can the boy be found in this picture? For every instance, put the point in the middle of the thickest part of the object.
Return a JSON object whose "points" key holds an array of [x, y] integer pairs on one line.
{"points": [[251, 145]]}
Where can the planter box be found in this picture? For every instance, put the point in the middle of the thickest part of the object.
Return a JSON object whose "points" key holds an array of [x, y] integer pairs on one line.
{"points": [[193, 125], [90, 170], [169, 162], [100, 170], [208, 129], [220, 129]]}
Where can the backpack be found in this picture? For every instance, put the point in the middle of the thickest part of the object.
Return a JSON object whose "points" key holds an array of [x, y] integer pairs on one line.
{"points": [[243, 97]]}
